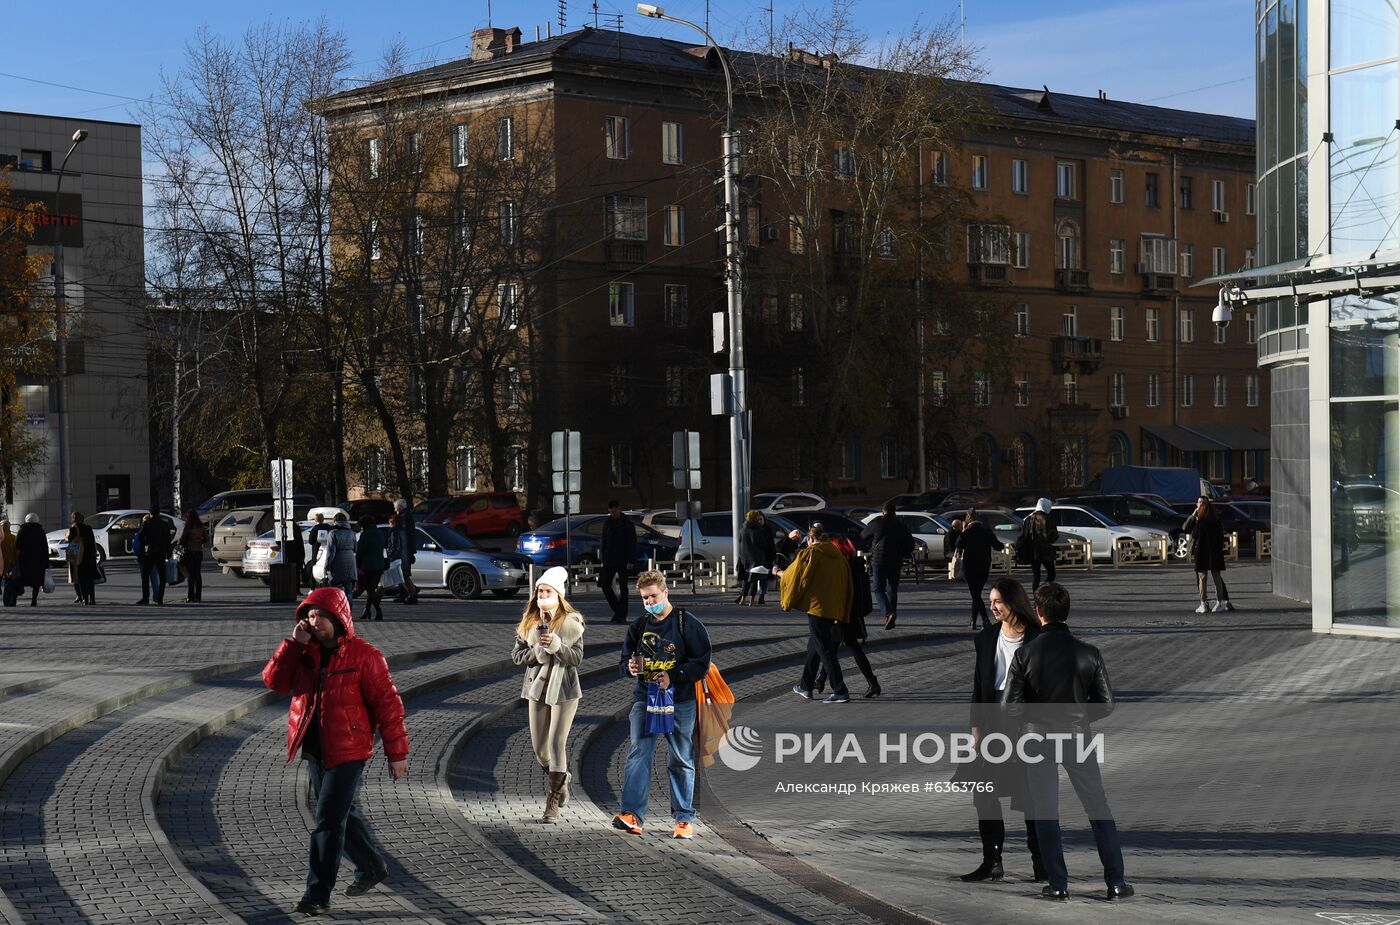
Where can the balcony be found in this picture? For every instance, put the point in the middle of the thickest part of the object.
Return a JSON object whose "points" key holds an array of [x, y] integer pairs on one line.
{"points": [[1071, 280], [1154, 283], [1076, 354], [989, 274], [624, 254]]}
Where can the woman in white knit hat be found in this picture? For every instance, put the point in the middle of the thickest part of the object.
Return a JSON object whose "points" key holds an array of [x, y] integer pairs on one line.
{"points": [[548, 643]]}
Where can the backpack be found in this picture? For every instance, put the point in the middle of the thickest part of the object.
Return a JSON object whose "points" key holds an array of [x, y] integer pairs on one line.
{"points": [[1025, 547]]}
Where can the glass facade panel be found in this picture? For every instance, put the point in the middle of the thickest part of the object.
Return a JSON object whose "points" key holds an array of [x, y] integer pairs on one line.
{"points": [[1365, 513], [1364, 361], [1363, 187], [1362, 30]]}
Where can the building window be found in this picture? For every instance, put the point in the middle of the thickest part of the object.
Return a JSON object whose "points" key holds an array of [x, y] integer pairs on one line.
{"points": [[460, 321], [1118, 390], [620, 385], [1023, 390], [1251, 328], [615, 140], [1066, 180], [1215, 465], [672, 143], [1220, 392], [1188, 390], [461, 230], [1217, 260], [1249, 258], [848, 460], [1068, 250], [1070, 385], [418, 234], [413, 151], [675, 386], [513, 387], [676, 305], [373, 158], [981, 389], [891, 458], [844, 163], [1115, 255], [1249, 199], [1069, 322], [797, 312], [1117, 322], [1072, 462], [1115, 187], [1021, 253], [626, 217], [940, 168], [1187, 193], [1217, 195], [515, 469], [1021, 462], [989, 244], [505, 138], [620, 465], [801, 462], [459, 146], [799, 388], [979, 171], [620, 308], [1186, 326], [984, 462], [1251, 390], [510, 224], [1154, 390], [1220, 334], [418, 468], [1153, 317], [886, 243], [1020, 177], [464, 465], [673, 231], [375, 250], [1157, 254], [768, 310], [1117, 450], [1186, 255], [420, 315], [508, 305], [376, 468], [1023, 319], [1150, 190], [797, 235], [938, 388]]}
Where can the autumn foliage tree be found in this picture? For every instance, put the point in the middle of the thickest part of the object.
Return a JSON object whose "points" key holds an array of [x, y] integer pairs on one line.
{"points": [[25, 331]]}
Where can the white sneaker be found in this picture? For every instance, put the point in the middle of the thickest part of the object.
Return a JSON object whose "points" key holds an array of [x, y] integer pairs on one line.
{"points": [[1202, 608], [1218, 608]]}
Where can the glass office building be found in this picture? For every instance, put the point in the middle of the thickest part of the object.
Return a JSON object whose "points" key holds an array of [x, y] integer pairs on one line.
{"points": [[1328, 186]]}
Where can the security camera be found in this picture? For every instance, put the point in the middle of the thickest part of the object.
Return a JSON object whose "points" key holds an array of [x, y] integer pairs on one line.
{"points": [[1222, 316]]}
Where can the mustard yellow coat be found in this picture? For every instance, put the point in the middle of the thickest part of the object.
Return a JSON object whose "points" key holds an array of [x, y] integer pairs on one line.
{"points": [[819, 583]]}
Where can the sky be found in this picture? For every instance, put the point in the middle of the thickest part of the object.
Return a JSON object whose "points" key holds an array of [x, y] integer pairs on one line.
{"points": [[1187, 54]]}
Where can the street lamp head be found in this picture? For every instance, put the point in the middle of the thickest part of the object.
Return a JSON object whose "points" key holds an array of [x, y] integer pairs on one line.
{"points": [[650, 9], [79, 136]]}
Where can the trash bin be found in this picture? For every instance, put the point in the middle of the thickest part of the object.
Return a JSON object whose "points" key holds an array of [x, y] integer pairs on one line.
{"points": [[282, 583]]}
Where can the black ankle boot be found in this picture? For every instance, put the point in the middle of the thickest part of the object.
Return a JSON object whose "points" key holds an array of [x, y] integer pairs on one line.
{"points": [[992, 832]]}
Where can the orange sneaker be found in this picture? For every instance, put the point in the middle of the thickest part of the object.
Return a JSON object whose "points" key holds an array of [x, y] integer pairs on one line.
{"points": [[683, 830], [627, 822]]}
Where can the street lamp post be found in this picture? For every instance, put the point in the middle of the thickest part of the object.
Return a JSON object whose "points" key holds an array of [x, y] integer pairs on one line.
{"points": [[733, 281], [65, 500]]}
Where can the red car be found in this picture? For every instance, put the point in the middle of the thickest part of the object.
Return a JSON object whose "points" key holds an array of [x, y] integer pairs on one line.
{"points": [[481, 513]]}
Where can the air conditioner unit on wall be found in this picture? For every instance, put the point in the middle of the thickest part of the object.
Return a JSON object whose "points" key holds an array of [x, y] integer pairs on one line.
{"points": [[1222, 217], [1119, 412], [770, 233]]}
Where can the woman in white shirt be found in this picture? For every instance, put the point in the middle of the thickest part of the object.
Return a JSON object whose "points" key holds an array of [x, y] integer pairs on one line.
{"points": [[1014, 625]]}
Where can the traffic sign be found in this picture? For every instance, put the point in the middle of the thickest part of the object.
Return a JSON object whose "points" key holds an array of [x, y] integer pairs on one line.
{"points": [[281, 478], [564, 447], [559, 504], [685, 459], [574, 480]]}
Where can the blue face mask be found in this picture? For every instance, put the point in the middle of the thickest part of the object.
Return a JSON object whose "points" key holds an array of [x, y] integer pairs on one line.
{"points": [[656, 609]]}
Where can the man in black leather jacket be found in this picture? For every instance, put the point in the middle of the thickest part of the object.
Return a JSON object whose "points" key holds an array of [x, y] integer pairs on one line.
{"points": [[1058, 684]]}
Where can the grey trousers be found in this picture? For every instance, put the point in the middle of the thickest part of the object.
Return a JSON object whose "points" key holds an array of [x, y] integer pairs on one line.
{"points": [[549, 732]]}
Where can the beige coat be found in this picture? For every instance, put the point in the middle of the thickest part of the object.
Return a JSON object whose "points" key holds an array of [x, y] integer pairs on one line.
{"points": [[551, 672]]}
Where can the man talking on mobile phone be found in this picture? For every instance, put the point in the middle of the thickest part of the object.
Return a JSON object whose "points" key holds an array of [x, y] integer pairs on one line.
{"points": [[341, 695]]}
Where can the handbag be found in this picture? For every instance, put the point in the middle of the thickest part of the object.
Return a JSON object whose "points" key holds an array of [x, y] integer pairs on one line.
{"points": [[661, 711], [48, 581], [322, 564], [955, 567], [100, 576], [393, 576], [714, 709]]}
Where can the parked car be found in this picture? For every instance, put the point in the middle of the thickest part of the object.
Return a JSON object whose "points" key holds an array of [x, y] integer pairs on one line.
{"points": [[378, 508], [1233, 519], [265, 550], [833, 524], [938, 499], [428, 507], [853, 511], [1372, 508], [1140, 511], [546, 545], [660, 519], [479, 513], [1098, 528], [113, 531], [781, 502], [928, 531], [709, 538], [231, 534], [1262, 511], [212, 510]]}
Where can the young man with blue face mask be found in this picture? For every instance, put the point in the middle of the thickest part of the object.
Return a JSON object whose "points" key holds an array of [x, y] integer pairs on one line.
{"points": [[668, 646]]}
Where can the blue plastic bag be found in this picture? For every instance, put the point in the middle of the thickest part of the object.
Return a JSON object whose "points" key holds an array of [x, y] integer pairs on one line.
{"points": [[661, 711]]}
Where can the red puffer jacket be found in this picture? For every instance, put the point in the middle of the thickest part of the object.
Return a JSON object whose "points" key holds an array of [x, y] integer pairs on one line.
{"points": [[359, 697]]}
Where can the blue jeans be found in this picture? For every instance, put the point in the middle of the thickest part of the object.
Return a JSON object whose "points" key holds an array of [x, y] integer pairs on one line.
{"points": [[339, 827], [153, 580], [636, 774], [1043, 781], [884, 585]]}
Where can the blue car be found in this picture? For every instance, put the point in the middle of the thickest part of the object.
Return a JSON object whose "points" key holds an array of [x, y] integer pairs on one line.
{"points": [[545, 545]]}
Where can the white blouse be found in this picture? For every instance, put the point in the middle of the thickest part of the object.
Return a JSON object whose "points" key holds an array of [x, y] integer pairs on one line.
{"points": [[1006, 649]]}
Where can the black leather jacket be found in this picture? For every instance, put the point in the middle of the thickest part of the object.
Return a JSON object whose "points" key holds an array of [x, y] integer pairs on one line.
{"points": [[1057, 669]]}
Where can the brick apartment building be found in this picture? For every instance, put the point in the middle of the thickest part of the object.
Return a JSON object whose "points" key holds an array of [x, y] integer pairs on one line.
{"points": [[1092, 217]]}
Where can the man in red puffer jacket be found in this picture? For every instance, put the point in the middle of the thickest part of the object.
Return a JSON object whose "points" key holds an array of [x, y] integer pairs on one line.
{"points": [[341, 695]]}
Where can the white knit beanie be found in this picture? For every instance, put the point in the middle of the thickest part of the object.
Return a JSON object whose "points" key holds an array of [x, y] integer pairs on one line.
{"points": [[1043, 505], [556, 577]]}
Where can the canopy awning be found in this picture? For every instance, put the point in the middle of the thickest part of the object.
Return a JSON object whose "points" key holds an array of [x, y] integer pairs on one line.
{"points": [[1317, 277], [1232, 436], [1183, 438]]}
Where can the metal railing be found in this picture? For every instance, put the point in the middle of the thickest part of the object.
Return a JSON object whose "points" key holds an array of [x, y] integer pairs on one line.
{"points": [[1263, 545], [1130, 552]]}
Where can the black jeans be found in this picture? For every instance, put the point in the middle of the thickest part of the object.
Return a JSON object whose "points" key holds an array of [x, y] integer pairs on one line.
{"points": [[339, 827], [976, 581], [755, 585], [821, 650], [192, 562], [153, 579], [1043, 780], [369, 583], [1035, 571], [617, 600]]}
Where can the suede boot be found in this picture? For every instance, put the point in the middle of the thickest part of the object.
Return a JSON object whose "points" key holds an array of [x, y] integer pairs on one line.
{"points": [[993, 831]]}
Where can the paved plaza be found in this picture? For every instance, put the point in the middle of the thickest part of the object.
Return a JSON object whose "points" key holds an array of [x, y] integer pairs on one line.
{"points": [[143, 774]]}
